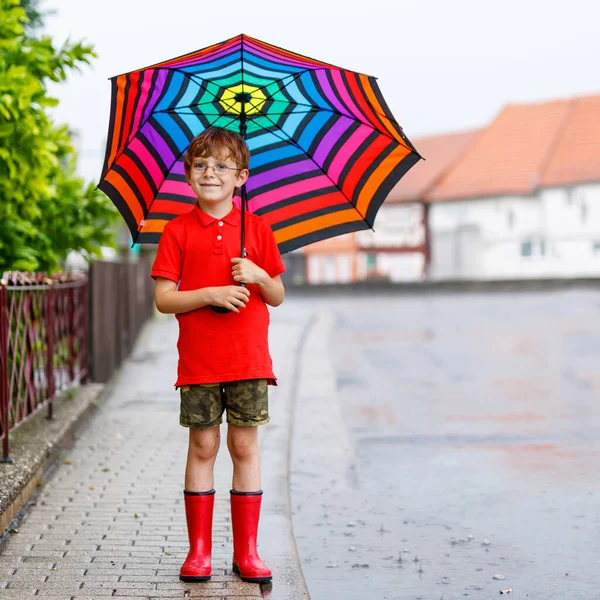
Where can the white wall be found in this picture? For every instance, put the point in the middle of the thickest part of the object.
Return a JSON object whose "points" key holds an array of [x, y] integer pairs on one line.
{"points": [[553, 234], [480, 238], [573, 229], [401, 267]]}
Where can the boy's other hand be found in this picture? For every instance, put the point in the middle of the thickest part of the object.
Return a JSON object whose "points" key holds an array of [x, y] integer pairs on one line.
{"points": [[232, 297], [245, 271]]}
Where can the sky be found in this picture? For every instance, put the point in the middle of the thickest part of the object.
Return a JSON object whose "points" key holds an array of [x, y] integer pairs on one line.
{"points": [[442, 66]]}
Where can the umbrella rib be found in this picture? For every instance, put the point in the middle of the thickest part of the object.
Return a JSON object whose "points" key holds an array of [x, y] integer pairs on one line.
{"points": [[257, 106], [311, 109]]}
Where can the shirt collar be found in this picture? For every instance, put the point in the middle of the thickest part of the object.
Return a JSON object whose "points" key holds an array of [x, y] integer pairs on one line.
{"points": [[232, 218]]}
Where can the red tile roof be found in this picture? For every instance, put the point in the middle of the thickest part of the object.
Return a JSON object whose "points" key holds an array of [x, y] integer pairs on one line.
{"points": [[576, 157], [527, 146], [507, 156], [440, 152]]}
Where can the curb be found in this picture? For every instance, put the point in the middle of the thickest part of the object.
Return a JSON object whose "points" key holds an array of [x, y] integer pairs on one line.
{"points": [[35, 447], [277, 529], [450, 286]]}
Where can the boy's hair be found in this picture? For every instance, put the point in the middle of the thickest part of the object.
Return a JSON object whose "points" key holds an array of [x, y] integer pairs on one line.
{"points": [[218, 142]]}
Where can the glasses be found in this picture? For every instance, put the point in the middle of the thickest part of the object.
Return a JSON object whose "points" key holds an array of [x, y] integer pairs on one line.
{"points": [[218, 169]]}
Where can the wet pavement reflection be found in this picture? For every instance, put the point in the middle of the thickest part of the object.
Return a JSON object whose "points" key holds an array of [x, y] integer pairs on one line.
{"points": [[472, 468]]}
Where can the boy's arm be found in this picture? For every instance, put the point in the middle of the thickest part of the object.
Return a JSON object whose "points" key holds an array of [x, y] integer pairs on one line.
{"points": [[170, 301], [271, 288]]}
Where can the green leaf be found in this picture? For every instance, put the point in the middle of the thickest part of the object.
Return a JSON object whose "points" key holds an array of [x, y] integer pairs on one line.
{"points": [[45, 209]]}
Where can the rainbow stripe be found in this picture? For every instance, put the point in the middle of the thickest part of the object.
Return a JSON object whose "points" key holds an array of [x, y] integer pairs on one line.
{"points": [[325, 148]]}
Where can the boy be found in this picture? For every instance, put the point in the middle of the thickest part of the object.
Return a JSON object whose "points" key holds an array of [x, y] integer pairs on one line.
{"points": [[224, 360]]}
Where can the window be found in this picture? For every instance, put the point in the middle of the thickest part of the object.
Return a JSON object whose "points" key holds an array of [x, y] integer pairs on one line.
{"points": [[371, 262], [596, 248], [535, 247]]}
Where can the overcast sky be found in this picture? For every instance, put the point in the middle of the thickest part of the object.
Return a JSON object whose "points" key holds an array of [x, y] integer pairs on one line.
{"points": [[442, 65]]}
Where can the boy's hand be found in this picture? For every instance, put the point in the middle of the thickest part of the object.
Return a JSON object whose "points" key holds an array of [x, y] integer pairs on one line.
{"points": [[245, 271], [232, 297]]}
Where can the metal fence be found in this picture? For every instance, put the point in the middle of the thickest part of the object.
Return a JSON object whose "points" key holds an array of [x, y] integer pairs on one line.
{"points": [[61, 331], [43, 344], [121, 302]]}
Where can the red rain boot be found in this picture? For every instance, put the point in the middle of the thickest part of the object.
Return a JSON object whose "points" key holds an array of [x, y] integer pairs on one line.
{"points": [[199, 516], [245, 512]]}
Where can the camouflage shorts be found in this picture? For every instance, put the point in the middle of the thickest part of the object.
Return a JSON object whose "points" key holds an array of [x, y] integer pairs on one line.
{"points": [[247, 404]]}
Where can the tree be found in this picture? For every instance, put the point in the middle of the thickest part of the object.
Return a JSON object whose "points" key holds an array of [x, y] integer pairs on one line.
{"points": [[35, 19], [45, 210]]}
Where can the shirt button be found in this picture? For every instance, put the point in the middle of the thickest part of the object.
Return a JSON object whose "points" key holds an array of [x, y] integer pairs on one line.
{"points": [[219, 237], [220, 223]]}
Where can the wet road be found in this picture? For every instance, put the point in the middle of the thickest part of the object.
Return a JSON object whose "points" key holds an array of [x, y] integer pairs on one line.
{"points": [[461, 454]]}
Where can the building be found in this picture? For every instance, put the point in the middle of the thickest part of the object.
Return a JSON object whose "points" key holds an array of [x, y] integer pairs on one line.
{"points": [[334, 260], [399, 247], [517, 199], [524, 198]]}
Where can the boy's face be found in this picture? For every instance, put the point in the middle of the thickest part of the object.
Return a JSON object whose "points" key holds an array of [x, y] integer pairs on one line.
{"points": [[214, 179]]}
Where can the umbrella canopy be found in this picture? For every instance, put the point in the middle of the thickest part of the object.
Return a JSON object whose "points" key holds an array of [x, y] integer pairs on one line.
{"points": [[325, 148]]}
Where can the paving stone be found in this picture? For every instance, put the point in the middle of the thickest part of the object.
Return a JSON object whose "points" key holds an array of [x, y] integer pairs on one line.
{"points": [[27, 577]]}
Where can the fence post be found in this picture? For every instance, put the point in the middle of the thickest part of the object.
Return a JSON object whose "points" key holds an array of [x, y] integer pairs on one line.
{"points": [[50, 301], [85, 338], [4, 400], [72, 324]]}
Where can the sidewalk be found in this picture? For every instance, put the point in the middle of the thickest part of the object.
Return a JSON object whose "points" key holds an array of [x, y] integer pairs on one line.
{"points": [[110, 521]]}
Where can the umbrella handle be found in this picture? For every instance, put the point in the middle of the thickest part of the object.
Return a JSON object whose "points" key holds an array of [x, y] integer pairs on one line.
{"points": [[222, 309]]}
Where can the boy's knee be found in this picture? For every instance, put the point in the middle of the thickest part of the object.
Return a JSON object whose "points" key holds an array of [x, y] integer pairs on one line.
{"points": [[204, 447], [242, 447]]}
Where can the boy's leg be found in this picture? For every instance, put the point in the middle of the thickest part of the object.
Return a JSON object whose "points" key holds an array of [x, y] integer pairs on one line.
{"points": [[202, 453], [201, 410], [243, 448], [247, 407]]}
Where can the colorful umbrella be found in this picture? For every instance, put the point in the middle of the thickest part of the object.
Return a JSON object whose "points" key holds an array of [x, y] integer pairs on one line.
{"points": [[325, 148]]}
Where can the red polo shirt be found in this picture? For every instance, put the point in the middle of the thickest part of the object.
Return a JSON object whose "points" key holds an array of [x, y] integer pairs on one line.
{"points": [[195, 250]]}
